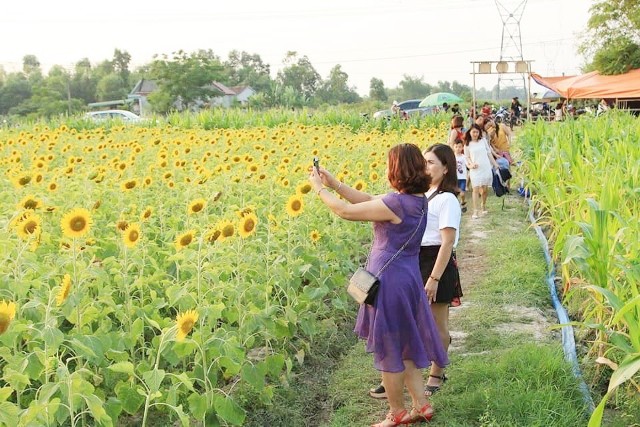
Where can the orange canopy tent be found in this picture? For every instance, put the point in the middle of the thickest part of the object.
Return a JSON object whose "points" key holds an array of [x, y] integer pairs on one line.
{"points": [[594, 85]]}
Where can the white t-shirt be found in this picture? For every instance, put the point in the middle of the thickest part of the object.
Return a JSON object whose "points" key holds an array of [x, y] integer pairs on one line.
{"points": [[444, 212], [461, 166]]}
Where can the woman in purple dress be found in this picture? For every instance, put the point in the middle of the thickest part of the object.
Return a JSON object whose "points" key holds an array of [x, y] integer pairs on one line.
{"points": [[399, 328]]}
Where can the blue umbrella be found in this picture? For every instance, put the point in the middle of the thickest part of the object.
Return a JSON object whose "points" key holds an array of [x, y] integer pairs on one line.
{"points": [[439, 98]]}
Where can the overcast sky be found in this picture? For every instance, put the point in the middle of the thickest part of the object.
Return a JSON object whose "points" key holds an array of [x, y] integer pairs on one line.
{"points": [[386, 39]]}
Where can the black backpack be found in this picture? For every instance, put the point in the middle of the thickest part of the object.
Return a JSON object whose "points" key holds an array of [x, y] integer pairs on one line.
{"points": [[500, 177]]}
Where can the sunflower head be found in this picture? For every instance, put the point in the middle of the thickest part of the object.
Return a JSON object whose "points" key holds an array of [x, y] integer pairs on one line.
{"points": [[122, 225], [76, 223], [185, 239], [129, 184], [247, 225], [146, 214], [185, 322], [196, 206], [303, 188], [295, 205], [29, 202], [227, 229], [29, 226], [360, 185], [315, 236], [131, 235], [245, 211], [65, 290], [213, 235], [7, 313]]}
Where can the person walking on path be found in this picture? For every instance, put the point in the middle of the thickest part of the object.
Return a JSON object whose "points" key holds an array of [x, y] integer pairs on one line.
{"points": [[461, 172], [398, 327], [456, 131], [479, 161]]}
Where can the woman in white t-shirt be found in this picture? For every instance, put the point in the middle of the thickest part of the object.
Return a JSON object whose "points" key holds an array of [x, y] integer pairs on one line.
{"points": [[438, 263]]}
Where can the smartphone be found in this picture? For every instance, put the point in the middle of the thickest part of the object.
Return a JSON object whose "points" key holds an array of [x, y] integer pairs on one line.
{"points": [[316, 164]]}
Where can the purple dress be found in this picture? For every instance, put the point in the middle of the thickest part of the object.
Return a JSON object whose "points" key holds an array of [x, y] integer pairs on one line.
{"points": [[400, 325]]}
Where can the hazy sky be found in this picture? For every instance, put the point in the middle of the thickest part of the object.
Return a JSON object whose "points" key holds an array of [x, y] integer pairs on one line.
{"points": [[433, 39]]}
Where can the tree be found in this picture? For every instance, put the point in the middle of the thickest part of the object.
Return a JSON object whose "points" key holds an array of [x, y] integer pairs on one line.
{"points": [[377, 91], [248, 70], [299, 75], [16, 89], [335, 90], [413, 87], [31, 68], [187, 77], [84, 82], [613, 36], [111, 88], [121, 60]]}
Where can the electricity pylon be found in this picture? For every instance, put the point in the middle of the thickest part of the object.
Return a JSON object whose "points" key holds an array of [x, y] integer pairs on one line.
{"points": [[511, 46]]}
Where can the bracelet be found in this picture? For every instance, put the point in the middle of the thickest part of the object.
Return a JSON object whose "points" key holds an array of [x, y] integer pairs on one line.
{"points": [[431, 277], [338, 187], [318, 192]]}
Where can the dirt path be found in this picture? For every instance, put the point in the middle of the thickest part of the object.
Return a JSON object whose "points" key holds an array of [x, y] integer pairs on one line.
{"points": [[474, 267]]}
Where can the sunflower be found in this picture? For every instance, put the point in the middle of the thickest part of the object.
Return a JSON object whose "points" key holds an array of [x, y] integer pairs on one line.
{"points": [[247, 225], [29, 226], [245, 211], [122, 225], [29, 202], [76, 223], [373, 176], [227, 229], [185, 322], [295, 205], [315, 236], [131, 235], [213, 235], [360, 185], [303, 188], [129, 184], [196, 206], [7, 313], [52, 186], [65, 290], [185, 239], [146, 214]]}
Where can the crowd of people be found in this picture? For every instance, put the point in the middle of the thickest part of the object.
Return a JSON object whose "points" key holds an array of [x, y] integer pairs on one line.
{"points": [[416, 231]]}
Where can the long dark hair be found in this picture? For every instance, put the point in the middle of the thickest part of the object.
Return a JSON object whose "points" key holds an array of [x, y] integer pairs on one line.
{"points": [[447, 157], [467, 135], [408, 169]]}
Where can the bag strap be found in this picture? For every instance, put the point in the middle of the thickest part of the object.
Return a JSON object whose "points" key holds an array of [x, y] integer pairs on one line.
{"points": [[425, 202]]}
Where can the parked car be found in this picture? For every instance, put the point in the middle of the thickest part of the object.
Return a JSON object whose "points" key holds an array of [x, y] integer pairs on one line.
{"points": [[411, 107], [122, 115]]}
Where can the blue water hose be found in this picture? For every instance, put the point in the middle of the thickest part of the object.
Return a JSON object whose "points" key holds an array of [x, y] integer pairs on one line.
{"points": [[568, 340]]}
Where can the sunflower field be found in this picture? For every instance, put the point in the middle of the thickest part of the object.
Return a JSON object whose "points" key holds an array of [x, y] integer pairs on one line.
{"points": [[148, 273]]}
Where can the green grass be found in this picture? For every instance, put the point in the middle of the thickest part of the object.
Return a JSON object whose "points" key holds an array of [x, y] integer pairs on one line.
{"points": [[499, 374]]}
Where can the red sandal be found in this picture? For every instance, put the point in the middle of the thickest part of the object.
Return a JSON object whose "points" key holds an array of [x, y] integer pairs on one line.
{"points": [[400, 418], [423, 414]]}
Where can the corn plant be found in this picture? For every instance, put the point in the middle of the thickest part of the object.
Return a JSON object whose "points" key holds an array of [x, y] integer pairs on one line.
{"points": [[585, 178]]}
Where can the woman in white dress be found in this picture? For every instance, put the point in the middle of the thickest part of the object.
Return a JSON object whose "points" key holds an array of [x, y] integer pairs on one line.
{"points": [[480, 162]]}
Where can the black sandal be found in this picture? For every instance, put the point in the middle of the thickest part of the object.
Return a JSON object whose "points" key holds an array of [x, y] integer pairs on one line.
{"points": [[430, 390], [378, 392]]}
